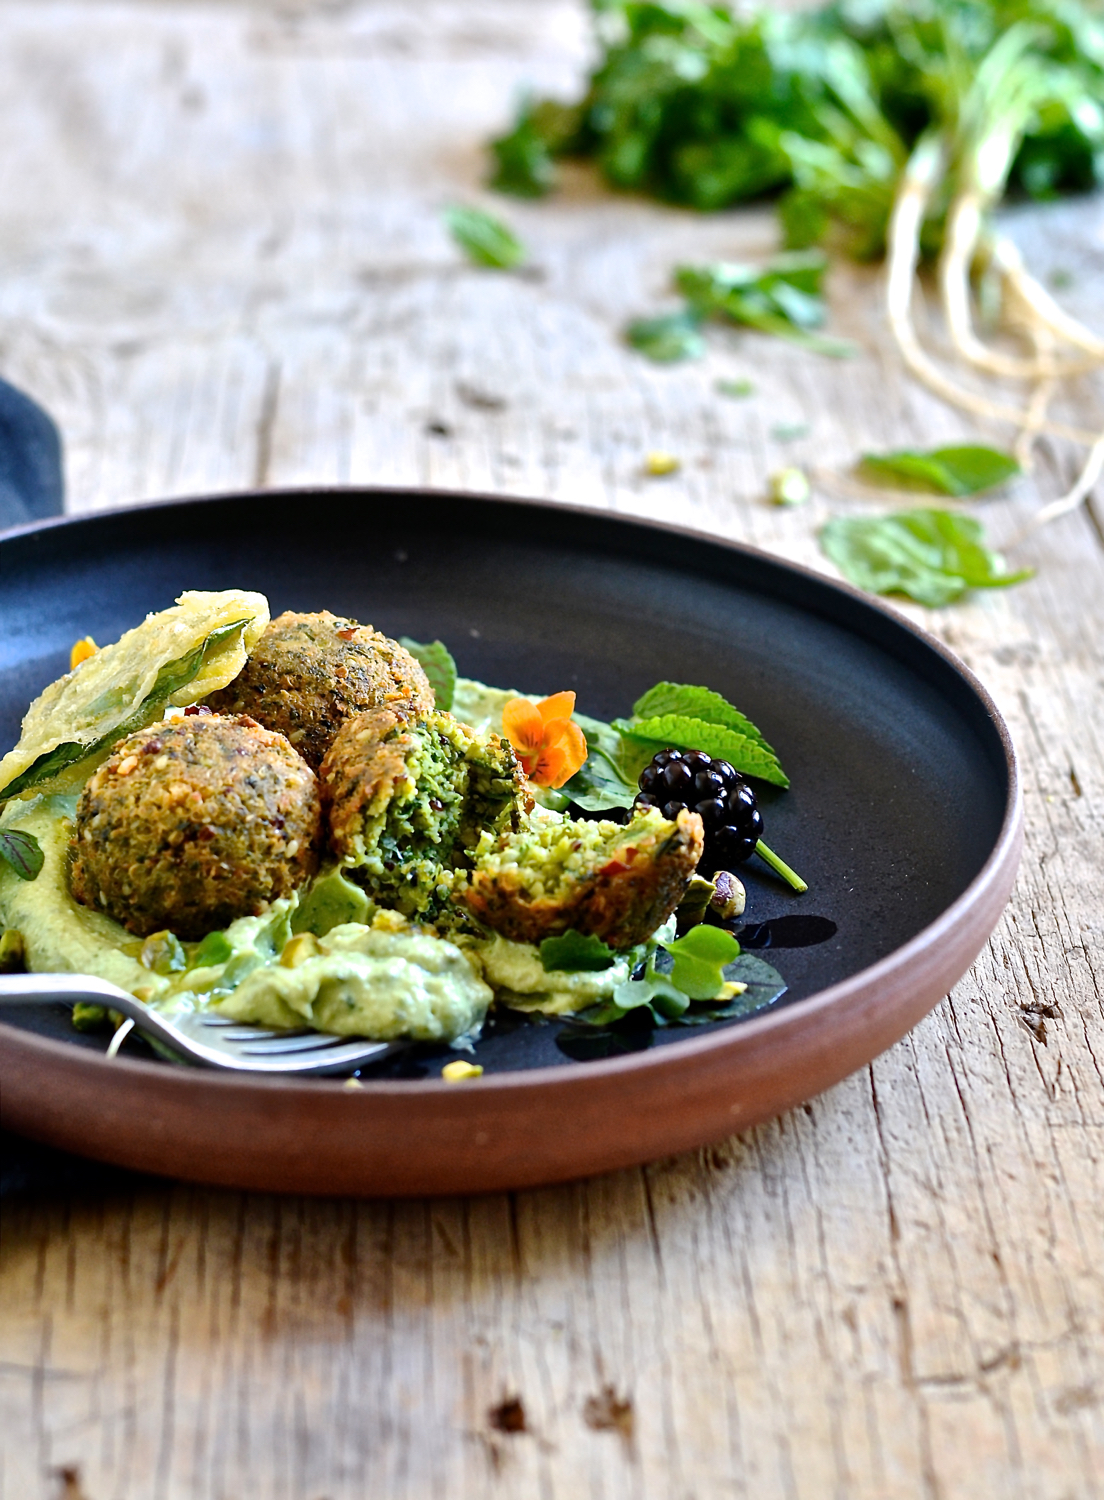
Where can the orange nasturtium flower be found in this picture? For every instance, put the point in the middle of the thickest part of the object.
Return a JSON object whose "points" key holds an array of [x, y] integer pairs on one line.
{"points": [[550, 747]]}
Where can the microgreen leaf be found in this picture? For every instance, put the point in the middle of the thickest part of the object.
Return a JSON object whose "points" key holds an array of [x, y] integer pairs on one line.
{"points": [[485, 240], [965, 470], [668, 338], [933, 556], [699, 959], [22, 852], [572, 952], [438, 665]]}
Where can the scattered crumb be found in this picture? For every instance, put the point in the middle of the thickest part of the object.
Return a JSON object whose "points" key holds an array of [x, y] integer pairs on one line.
{"points": [[789, 487], [508, 1415], [458, 1071], [658, 464], [609, 1412]]}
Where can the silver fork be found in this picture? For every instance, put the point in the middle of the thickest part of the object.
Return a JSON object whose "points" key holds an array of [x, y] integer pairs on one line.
{"points": [[202, 1037]]}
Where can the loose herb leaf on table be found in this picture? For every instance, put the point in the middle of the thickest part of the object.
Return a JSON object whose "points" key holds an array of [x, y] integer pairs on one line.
{"points": [[964, 470], [437, 663], [932, 556], [485, 240], [22, 852], [668, 338]]}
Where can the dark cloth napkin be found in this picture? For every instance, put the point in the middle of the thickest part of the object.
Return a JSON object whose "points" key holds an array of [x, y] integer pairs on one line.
{"points": [[31, 489], [31, 483]]}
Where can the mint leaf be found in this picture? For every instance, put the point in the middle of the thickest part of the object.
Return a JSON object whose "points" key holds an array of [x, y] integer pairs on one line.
{"points": [[932, 556], [746, 754], [668, 338], [572, 952], [22, 851], [696, 703], [943, 471], [699, 959], [437, 662], [485, 240]]}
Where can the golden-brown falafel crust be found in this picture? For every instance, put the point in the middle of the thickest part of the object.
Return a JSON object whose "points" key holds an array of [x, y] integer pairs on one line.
{"points": [[622, 903], [360, 773], [194, 822], [309, 673]]}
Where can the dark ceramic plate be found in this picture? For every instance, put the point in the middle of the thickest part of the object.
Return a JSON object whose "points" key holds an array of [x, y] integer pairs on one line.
{"points": [[904, 818]]}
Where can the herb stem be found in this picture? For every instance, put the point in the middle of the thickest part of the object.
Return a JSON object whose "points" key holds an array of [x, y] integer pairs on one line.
{"points": [[780, 867]]}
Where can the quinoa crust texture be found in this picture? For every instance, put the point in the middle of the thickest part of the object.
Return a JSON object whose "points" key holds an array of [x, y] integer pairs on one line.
{"points": [[599, 878], [195, 822], [310, 673]]}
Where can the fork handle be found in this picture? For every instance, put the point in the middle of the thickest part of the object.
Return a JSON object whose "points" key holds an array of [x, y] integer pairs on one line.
{"points": [[40, 989]]}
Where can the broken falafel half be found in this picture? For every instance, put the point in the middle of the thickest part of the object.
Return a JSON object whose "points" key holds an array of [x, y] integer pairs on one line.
{"points": [[407, 798], [617, 883]]}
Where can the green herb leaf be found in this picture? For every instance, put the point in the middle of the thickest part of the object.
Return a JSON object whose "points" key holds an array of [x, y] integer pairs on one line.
{"points": [[943, 471], [606, 779], [692, 702], [781, 298], [933, 556], [668, 338], [436, 660], [485, 240], [764, 986], [747, 755], [572, 952], [666, 1001], [173, 676], [22, 852], [737, 389], [699, 959]]}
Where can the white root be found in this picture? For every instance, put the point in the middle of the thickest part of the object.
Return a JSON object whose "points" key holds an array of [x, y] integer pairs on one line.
{"points": [[1080, 490], [962, 236], [903, 245], [1040, 303]]}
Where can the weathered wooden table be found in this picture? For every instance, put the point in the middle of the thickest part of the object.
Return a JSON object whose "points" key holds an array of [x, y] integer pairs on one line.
{"points": [[224, 266]]}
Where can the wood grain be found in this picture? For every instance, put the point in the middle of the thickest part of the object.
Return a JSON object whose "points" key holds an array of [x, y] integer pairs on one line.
{"points": [[224, 265]]}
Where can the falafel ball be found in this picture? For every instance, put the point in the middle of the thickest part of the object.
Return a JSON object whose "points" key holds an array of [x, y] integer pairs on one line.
{"points": [[408, 797], [194, 822], [309, 673], [618, 883]]}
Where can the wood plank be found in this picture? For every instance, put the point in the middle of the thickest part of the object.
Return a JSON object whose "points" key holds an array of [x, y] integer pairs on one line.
{"points": [[895, 1291]]}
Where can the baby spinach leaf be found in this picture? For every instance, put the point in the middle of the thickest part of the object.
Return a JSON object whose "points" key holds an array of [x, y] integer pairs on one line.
{"points": [[669, 337], [438, 665], [606, 779], [699, 958], [965, 470], [485, 240], [932, 556], [747, 755], [572, 952], [22, 851]]}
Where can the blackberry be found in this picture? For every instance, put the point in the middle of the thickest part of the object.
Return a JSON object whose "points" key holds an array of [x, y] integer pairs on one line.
{"points": [[674, 779]]}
